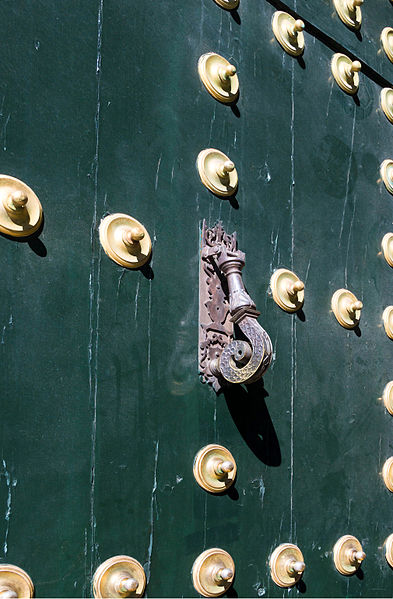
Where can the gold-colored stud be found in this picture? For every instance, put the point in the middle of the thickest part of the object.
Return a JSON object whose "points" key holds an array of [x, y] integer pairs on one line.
{"points": [[286, 565], [387, 474], [387, 42], [347, 308], [386, 170], [287, 290], [15, 582], [125, 240], [119, 576], [213, 572], [20, 208], [214, 468], [387, 317], [219, 77], [387, 248], [228, 4], [346, 73], [288, 32], [387, 397], [387, 102], [349, 12], [217, 172], [389, 550], [348, 555]]}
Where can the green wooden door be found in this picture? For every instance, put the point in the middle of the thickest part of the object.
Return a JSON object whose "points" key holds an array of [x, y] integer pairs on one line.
{"points": [[102, 410]]}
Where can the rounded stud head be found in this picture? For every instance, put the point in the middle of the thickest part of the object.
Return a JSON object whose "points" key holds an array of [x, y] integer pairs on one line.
{"points": [[219, 77], [288, 32], [287, 290], [345, 553], [18, 199], [132, 236], [299, 25], [286, 565], [117, 573], [356, 66], [127, 585], [226, 574], [214, 468], [213, 572]]}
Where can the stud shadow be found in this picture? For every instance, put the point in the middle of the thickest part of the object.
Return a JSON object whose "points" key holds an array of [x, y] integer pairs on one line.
{"points": [[301, 315], [357, 331], [232, 493], [301, 63], [231, 592], [359, 574], [248, 409], [235, 16], [147, 271], [358, 34], [356, 100], [301, 586], [235, 109], [33, 241]]}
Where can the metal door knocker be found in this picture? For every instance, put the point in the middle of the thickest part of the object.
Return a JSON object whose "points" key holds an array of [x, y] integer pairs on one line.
{"points": [[226, 310]]}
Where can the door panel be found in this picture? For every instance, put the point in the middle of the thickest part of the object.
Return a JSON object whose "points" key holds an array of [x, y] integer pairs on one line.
{"points": [[103, 410]]}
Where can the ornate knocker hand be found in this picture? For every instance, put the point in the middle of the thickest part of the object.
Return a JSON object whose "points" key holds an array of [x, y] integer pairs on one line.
{"points": [[225, 302]]}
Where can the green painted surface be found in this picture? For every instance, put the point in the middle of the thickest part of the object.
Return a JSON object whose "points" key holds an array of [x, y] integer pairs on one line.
{"points": [[102, 409]]}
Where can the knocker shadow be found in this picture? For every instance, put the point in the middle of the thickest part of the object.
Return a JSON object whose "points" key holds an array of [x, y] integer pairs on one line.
{"points": [[248, 409]]}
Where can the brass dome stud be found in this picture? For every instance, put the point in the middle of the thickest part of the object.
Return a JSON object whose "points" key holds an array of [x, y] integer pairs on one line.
{"points": [[286, 565], [348, 555], [214, 468], [346, 73], [387, 474], [125, 240], [228, 4], [20, 209], [219, 77], [387, 397], [387, 42], [386, 170], [389, 550], [217, 172], [288, 32], [387, 248], [15, 582], [346, 308], [287, 290], [213, 572], [349, 12], [387, 318], [119, 576], [386, 99]]}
